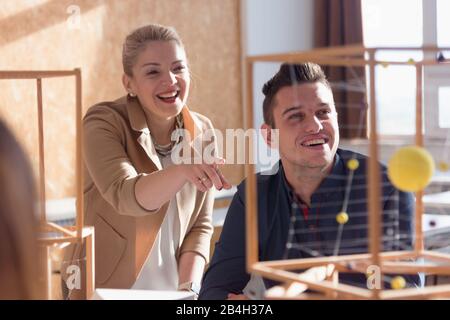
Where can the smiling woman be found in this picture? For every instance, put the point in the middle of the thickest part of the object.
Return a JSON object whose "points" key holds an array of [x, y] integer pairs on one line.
{"points": [[152, 217]]}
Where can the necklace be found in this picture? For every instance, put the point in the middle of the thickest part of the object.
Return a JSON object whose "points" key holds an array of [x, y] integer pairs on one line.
{"points": [[166, 149]]}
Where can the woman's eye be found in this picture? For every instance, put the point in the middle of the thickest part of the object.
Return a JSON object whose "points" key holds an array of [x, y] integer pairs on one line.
{"points": [[152, 72]]}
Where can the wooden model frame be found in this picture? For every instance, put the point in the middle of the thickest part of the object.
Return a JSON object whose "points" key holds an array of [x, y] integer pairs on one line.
{"points": [[325, 281], [70, 234]]}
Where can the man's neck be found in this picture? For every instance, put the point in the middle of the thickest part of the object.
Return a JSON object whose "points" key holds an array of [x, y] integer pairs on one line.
{"points": [[304, 180]]}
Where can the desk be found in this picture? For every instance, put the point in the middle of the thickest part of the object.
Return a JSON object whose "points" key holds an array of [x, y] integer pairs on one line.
{"points": [[437, 202], [123, 294]]}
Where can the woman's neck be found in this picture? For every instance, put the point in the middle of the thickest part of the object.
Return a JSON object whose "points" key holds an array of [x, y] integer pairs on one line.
{"points": [[160, 128]]}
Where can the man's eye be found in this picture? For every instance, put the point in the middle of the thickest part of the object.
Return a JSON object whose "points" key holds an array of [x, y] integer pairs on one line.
{"points": [[179, 68], [323, 112], [295, 116]]}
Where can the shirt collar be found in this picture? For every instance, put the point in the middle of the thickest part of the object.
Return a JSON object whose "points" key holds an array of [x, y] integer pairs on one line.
{"points": [[330, 180]]}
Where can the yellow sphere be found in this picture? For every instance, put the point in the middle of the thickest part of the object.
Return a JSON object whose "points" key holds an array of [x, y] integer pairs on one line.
{"points": [[398, 283], [353, 164], [411, 168], [342, 218], [385, 64], [443, 166], [411, 61]]}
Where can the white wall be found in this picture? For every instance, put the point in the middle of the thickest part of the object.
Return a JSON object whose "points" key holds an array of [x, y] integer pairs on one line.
{"points": [[273, 26]]}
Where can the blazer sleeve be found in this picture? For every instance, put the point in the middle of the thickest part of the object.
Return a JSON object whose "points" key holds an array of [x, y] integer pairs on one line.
{"points": [[108, 164], [227, 272], [198, 239]]}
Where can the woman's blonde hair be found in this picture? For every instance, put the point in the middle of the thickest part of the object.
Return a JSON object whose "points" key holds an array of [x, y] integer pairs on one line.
{"points": [[136, 41], [20, 264]]}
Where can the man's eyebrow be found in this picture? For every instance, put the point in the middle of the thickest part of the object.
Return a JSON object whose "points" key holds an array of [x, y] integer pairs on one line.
{"points": [[292, 109]]}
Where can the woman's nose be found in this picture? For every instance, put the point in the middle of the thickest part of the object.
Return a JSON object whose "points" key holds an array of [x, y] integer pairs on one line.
{"points": [[170, 78]]}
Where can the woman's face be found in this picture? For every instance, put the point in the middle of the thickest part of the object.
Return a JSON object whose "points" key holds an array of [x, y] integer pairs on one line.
{"points": [[161, 78]]}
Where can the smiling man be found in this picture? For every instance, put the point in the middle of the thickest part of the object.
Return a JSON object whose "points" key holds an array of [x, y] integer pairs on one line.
{"points": [[299, 204]]}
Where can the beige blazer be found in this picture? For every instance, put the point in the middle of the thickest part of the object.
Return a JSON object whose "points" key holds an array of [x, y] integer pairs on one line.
{"points": [[118, 150]]}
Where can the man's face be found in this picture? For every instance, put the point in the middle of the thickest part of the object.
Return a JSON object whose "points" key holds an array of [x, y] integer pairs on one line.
{"points": [[306, 117]]}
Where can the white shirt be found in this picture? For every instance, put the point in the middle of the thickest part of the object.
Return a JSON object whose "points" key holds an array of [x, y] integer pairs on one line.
{"points": [[160, 270]]}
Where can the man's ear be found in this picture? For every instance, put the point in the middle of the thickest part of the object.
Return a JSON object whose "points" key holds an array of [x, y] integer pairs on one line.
{"points": [[266, 132]]}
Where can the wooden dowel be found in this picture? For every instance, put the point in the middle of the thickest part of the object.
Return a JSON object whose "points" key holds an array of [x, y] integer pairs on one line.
{"points": [[414, 268], [78, 155], [419, 245], [90, 263], [374, 178], [251, 204], [423, 48], [43, 216], [49, 241]]}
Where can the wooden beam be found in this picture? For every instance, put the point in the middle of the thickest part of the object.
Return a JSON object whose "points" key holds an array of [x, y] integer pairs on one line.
{"points": [[436, 256], [25, 74], [440, 291], [63, 230], [306, 263], [323, 286], [326, 51]]}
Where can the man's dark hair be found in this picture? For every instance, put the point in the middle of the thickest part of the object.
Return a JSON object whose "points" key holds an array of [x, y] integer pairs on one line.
{"points": [[289, 75]]}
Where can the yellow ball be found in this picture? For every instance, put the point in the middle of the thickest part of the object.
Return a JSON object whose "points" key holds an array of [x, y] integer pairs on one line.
{"points": [[411, 61], [342, 218], [385, 64], [411, 168], [353, 164], [398, 283], [443, 166]]}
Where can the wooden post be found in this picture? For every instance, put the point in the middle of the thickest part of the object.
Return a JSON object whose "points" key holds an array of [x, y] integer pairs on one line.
{"points": [[418, 244], [78, 155], [374, 177], [251, 203]]}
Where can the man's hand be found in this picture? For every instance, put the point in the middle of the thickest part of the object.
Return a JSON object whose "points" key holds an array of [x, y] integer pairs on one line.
{"points": [[232, 296]]}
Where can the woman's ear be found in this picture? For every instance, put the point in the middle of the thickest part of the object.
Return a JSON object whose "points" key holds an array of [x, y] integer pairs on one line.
{"points": [[126, 81]]}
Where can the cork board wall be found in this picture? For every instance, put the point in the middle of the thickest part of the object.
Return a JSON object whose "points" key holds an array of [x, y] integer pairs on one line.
{"points": [[88, 34]]}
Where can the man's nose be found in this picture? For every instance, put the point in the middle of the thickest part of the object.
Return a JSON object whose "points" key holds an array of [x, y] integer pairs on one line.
{"points": [[313, 124]]}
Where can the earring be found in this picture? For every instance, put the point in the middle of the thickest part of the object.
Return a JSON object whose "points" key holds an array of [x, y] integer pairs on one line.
{"points": [[131, 94]]}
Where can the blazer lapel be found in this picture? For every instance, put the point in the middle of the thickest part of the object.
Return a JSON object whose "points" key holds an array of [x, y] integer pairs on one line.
{"points": [[139, 123]]}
